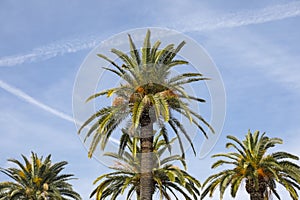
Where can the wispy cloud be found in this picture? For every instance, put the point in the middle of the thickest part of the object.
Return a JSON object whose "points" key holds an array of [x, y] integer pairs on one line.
{"points": [[186, 24], [242, 18], [257, 52]]}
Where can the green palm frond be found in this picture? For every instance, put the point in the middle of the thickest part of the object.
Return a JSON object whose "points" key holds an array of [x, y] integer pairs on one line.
{"points": [[146, 49], [37, 179], [147, 85], [134, 52], [251, 162], [126, 176]]}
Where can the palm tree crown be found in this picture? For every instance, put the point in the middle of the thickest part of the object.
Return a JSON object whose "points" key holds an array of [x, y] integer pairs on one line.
{"points": [[37, 179], [168, 178], [146, 95], [260, 170]]}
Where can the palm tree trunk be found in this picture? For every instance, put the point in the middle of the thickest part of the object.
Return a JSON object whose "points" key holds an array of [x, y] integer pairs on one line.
{"points": [[146, 179], [256, 193]]}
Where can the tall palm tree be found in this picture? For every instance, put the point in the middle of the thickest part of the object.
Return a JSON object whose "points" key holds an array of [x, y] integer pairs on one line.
{"points": [[252, 164], [167, 177], [37, 179], [147, 95]]}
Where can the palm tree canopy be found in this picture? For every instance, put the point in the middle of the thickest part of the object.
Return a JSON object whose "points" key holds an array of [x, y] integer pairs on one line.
{"points": [[169, 180], [251, 162], [37, 179], [147, 87]]}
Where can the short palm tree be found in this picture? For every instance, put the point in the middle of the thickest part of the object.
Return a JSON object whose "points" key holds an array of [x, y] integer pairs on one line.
{"points": [[147, 95], [37, 179], [252, 164], [169, 180]]}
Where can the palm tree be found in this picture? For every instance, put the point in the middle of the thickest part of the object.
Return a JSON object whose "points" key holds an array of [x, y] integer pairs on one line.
{"points": [[261, 171], [37, 179], [147, 96], [167, 177]]}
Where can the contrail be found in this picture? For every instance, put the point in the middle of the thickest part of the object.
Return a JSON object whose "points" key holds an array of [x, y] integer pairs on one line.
{"points": [[50, 51], [22, 95], [243, 18], [186, 24]]}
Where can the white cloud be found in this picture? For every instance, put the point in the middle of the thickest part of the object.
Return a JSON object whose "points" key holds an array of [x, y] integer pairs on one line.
{"points": [[184, 24], [258, 53]]}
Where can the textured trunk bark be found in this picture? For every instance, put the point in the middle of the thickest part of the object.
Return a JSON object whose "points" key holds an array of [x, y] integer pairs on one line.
{"points": [[146, 180], [256, 193]]}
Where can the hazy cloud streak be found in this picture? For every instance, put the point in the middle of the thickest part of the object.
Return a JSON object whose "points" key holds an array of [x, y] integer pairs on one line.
{"points": [[187, 24]]}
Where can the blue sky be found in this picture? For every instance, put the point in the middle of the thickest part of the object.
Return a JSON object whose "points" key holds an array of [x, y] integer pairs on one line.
{"points": [[255, 46]]}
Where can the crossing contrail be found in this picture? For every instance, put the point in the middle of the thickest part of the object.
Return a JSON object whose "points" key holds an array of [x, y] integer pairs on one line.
{"points": [[185, 24], [29, 99]]}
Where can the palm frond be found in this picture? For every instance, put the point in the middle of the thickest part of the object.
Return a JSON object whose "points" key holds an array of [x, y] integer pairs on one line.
{"points": [[251, 163]]}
